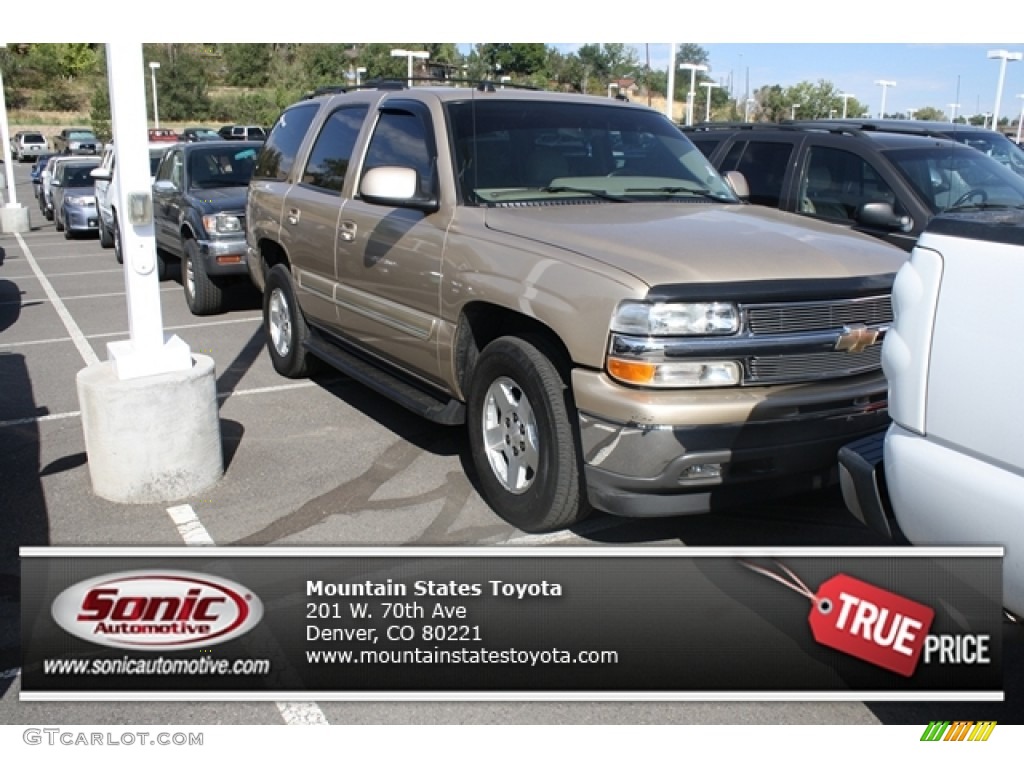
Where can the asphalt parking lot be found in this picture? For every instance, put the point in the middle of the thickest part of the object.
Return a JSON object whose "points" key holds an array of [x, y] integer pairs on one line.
{"points": [[322, 462]]}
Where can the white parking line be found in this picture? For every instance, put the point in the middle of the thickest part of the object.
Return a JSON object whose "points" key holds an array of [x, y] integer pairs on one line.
{"points": [[69, 322], [186, 326], [192, 531]]}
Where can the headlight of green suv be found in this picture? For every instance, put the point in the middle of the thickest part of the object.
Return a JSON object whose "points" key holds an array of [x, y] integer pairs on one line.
{"points": [[222, 224]]}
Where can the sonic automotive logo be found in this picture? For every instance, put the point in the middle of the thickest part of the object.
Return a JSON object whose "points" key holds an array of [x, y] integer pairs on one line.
{"points": [[157, 610], [959, 730]]}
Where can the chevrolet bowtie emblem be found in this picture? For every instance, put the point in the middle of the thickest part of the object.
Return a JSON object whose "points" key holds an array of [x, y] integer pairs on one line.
{"points": [[856, 338]]}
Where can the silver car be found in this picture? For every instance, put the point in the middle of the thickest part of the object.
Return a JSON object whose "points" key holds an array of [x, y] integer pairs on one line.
{"points": [[74, 198]]}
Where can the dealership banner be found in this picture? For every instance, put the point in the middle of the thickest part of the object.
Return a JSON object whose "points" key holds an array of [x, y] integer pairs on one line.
{"points": [[509, 623]]}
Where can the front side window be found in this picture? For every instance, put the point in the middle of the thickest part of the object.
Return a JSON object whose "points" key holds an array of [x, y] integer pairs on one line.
{"points": [[836, 183], [401, 138], [946, 179], [332, 152]]}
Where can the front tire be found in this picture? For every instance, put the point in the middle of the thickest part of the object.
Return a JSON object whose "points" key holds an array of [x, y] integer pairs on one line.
{"points": [[106, 236], [285, 326], [522, 438], [118, 252], [203, 294]]}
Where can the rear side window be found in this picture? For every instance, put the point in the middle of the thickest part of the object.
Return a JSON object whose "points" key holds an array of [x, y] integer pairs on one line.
{"points": [[329, 159], [278, 154], [763, 164]]}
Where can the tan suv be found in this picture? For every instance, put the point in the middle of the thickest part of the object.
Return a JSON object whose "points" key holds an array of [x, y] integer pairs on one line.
{"points": [[570, 278]]}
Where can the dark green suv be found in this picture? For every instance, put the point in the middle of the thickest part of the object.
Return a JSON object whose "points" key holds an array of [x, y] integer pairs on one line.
{"points": [[881, 183]]}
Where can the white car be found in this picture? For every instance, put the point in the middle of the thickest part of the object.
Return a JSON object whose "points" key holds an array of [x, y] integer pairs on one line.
{"points": [[28, 145], [952, 463], [106, 191]]}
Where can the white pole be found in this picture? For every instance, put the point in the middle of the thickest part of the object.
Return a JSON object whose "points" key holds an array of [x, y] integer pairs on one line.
{"points": [[1004, 57], [1020, 120], [12, 195], [671, 81], [145, 352], [153, 67]]}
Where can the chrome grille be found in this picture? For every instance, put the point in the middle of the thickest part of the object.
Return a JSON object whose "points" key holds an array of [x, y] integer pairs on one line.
{"points": [[819, 365], [768, 319]]}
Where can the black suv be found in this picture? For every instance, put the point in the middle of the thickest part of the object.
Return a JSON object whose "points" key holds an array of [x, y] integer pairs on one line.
{"points": [[884, 184], [199, 216], [992, 143]]}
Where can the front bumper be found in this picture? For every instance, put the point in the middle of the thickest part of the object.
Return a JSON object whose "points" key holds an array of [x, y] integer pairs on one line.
{"points": [[653, 454], [224, 256], [85, 219]]}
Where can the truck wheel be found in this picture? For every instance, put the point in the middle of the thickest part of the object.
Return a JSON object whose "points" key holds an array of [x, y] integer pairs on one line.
{"points": [[118, 253], [285, 326], [106, 236], [522, 437], [58, 224], [203, 294]]}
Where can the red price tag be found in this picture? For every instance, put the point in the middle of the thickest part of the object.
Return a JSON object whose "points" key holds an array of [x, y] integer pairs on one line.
{"points": [[871, 623]]}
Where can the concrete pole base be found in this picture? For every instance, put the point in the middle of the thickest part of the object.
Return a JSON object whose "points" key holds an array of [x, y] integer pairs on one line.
{"points": [[153, 438], [14, 218]]}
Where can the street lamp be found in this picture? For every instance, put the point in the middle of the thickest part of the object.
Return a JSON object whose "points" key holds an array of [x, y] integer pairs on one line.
{"points": [[694, 69], [792, 111], [885, 84], [153, 67], [409, 55], [1003, 56], [846, 98], [953, 108], [1020, 120], [746, 110], [984, 119], [707, 109], [359, 71]]}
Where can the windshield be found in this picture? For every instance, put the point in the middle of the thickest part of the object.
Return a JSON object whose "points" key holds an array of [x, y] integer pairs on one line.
{"points": [[996, 146], [210, 168], [33, 138], [81, 136], [78, 175], [510, 152], [949, 179]]}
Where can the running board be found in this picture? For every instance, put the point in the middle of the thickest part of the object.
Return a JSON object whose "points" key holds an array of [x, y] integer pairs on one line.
{"points": [[401, 391]]}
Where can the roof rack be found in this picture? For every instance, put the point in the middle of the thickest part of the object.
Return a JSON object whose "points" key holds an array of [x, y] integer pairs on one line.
{"points": [[488, 86], [828, 126], [868, 125]]}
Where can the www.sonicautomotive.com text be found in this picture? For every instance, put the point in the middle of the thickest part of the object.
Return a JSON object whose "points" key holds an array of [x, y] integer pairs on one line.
{"points": [[156, 666]]}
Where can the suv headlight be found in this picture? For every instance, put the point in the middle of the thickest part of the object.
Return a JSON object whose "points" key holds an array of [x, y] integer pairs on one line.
{"points": [[222, 224], [705, 318], [641, 349]]}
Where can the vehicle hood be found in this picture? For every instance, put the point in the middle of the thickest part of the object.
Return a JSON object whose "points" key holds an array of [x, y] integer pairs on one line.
{"points": [[661, 243], [219, 199]]}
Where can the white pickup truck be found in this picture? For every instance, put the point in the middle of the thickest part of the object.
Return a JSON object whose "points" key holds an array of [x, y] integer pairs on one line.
{"points": [[950, 469]]}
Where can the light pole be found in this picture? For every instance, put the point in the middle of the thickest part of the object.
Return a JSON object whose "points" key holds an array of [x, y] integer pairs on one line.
{"points": [[984, 119], [846, 99], [359, 72], [792, 111], [694, 69], [953, 108], [1003, 56], [153, 67], [885, 85], [1020, 120], [707, 108], [409, 55], [669, 99], [911, 112], [746, 110]]}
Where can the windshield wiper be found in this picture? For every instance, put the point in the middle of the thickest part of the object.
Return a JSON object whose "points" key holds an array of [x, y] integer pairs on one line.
{"points": [[585, 191], [683, 190]]}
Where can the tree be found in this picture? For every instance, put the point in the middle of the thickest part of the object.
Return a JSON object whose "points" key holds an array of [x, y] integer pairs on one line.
{"points": [[182, 84], [930, 113], [248, 64]]}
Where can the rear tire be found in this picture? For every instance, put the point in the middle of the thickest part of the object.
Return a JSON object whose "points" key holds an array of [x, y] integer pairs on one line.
{"points": [[106, 236], [118, 252], [203, 294], [522, 438], [285, 326]]}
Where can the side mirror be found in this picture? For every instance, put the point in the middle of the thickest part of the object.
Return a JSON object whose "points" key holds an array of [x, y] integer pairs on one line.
{"points": [[396, 187], [100, 173], [882, 216], [164, 186], [739, 185], [55, 182]]}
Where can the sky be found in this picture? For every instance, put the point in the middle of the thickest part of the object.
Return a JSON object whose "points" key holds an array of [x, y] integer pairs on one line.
{"points": [[926, 75], [784, 42]]}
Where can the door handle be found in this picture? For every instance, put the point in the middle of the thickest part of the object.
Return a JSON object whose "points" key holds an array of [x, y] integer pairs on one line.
{"points": [[294, 214], [347, 231]]}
